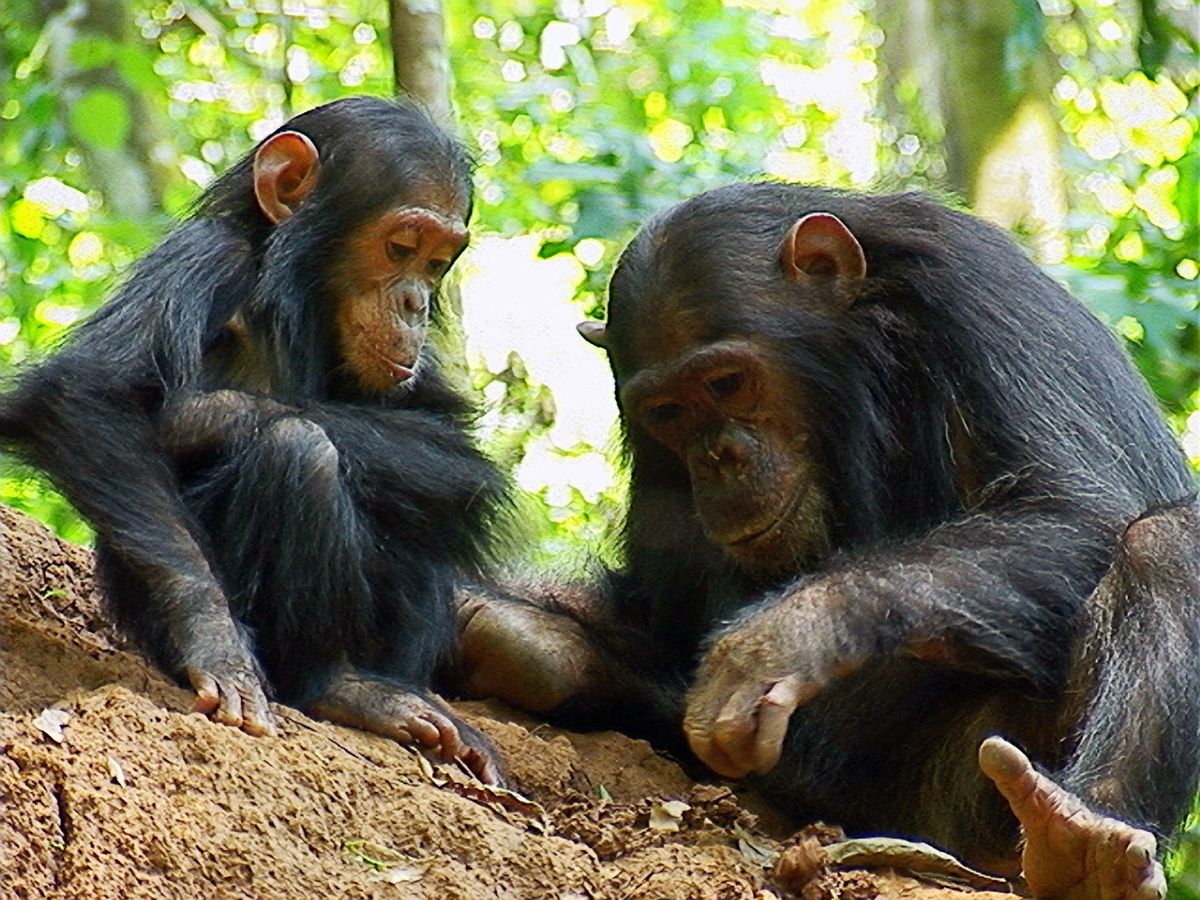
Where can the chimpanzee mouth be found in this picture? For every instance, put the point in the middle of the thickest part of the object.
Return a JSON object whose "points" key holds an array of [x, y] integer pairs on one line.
{"points": [[765, 533], [399, 371], [759, 534]]}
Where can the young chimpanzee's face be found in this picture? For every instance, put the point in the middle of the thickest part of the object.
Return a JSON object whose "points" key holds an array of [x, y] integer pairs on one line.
{"points": [[385, 282], [385, 271]]}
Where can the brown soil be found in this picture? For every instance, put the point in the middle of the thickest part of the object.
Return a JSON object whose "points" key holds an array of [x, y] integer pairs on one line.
{"points": [[142, 798]]}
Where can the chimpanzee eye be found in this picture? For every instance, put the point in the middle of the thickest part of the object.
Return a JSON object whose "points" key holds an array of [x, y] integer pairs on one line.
{"points": [[725, 386], [399, 252], [438, 267], [662, 413], [401, 245]]}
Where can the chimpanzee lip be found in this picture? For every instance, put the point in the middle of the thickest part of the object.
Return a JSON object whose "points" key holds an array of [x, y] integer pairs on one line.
{"points": [[773, 525], [398, 370], [757, 535]]}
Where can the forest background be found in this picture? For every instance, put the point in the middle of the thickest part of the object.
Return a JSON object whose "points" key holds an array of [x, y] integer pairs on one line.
{"points": [[1074, 123]]}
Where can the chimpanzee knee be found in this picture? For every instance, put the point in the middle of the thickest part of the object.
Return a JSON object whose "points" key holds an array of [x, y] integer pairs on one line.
{"points": [[297, 454], [1172, 533]]}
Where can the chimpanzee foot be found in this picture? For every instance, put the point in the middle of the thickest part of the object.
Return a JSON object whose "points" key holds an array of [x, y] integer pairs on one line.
{"points": [[530, 657], [408, 718], [1070, 851], [223, 675]]}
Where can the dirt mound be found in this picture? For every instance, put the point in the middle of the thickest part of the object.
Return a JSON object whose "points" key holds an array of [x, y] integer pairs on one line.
{"points": [[109, 787]]}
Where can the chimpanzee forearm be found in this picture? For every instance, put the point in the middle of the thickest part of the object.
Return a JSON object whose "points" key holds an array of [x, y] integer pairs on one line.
{"points": [[105, 457], [998, 593], [413, 456]]}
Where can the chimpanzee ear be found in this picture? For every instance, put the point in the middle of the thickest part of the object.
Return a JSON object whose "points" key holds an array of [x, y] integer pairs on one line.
{"points": [[594, 333], [821, 244], [285, 172]]}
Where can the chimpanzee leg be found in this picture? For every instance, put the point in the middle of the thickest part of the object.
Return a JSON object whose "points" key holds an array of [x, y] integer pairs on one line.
{"points": [[1138, 725], [340, 626], [530, 654]]}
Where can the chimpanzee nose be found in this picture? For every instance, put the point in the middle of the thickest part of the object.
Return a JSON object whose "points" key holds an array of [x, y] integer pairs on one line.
{"points": [[414, 307], [733, 449], [723, 455]]}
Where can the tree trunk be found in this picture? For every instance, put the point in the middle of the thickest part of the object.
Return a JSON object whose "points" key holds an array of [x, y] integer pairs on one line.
{"points": [[1001, 138], [419, 57]]}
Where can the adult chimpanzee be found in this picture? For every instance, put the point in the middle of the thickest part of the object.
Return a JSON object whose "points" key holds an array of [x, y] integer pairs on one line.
{"points": [[281, 480], [893, 492]]}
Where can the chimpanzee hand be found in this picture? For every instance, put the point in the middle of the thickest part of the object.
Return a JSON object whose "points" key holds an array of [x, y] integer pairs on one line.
{"points": [[757, 673], [222, 672]]}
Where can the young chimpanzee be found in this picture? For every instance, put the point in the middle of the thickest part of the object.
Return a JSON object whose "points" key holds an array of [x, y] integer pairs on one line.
{"points": [[894, 492], [282, 482]]}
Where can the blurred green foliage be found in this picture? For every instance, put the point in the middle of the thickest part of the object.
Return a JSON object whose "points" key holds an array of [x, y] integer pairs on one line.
{"points": [[586, 118]]}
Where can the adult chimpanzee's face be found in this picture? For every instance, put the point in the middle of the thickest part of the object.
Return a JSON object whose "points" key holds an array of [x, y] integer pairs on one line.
{"points": [[384, 286], [733, 418], [701, 373]]}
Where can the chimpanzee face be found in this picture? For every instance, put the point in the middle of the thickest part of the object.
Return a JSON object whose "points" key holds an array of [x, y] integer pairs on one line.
{"points": [[730, 414], [721, 399], [386, 271], [385, 283]]}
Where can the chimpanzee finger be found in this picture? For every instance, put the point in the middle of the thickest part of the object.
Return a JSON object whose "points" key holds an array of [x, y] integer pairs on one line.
{"points": [[229, 710], [482, 766], [422, 729], [449, 743], [1140, 854], [257, 718], [476, 752], [704, 704], [208, 695], [715, 757], [775, 709], [736, 728]]}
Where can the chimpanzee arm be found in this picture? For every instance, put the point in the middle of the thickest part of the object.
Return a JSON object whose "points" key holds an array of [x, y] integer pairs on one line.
{"points": [[86, 417], [102, 451], [998, 592], [194, 422]]}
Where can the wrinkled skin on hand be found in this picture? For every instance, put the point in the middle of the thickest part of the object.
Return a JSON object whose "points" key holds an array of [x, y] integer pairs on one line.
{"points": [[757, 673], [1071, 851]]}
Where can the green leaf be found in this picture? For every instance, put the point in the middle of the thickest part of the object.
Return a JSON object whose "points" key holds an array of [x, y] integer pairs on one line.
{"points": [[100, 118], [136, 66], [92, 52]]}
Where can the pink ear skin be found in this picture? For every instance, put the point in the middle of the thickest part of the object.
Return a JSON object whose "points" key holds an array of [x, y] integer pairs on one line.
{"points": [[285, 173], [820, 244], [594, 333]]}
